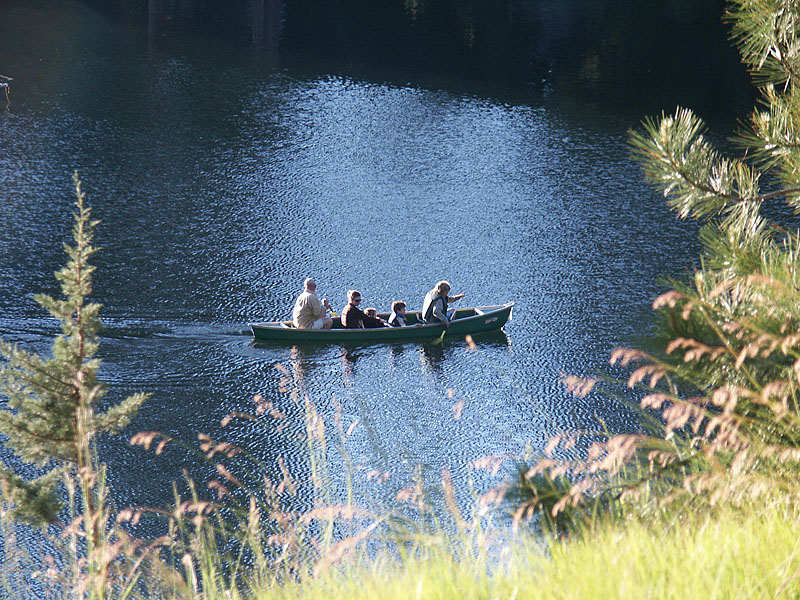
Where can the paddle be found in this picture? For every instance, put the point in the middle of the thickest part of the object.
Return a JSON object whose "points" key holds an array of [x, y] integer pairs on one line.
{"points": [[441, 337], [333, 312], [450, 318]]}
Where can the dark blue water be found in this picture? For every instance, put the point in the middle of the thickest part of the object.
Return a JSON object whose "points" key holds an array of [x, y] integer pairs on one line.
{"points": [[224, 175]]}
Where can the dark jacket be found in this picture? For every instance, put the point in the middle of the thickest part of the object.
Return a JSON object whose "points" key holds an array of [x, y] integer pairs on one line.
{"points": [[354, 318]]}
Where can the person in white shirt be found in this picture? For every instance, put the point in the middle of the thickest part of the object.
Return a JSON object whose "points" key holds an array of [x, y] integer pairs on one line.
{"points": [[309, 311]]}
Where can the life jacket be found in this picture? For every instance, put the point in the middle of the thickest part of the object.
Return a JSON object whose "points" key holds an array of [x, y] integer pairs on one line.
{"points": [[427, 315]]}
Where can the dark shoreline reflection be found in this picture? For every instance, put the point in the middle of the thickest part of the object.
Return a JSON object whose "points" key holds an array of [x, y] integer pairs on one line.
{"points": [[646, 53]]}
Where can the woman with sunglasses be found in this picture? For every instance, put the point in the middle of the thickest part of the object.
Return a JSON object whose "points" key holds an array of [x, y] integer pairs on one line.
{"points": [[354, 318]]}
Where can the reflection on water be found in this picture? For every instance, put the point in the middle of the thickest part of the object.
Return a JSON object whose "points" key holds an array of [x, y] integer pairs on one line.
{"points": [[223, 182], [300, 367]]}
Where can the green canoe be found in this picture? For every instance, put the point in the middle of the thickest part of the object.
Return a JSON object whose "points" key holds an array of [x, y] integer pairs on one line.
{"points": [[465, 321]]}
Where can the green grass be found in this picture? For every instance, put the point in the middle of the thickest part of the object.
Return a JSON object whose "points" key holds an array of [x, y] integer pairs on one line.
{"points": [[731, 555]]}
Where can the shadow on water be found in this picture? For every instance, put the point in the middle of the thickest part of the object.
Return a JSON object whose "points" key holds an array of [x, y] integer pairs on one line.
{"points": [[302, 359]]}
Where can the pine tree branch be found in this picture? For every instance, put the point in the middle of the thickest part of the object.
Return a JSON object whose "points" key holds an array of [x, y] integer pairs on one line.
{"points": [[39, 368], [777, 194], [694, 178]]}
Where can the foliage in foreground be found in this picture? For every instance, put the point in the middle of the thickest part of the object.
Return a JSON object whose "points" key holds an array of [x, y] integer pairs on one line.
{"points": [[724, 372], [743, 555], [50, 422]]}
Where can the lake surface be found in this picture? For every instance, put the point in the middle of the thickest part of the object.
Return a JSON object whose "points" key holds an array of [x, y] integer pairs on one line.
{"points": [[226, 172]]}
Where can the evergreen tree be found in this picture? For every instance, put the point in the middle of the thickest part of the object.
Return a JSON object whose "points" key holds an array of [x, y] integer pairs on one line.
{"points": [[51, 416], [724, 370], [749, 274]]}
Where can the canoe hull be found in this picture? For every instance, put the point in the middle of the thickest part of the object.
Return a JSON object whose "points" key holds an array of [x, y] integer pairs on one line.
{"points": [[466, 321]]}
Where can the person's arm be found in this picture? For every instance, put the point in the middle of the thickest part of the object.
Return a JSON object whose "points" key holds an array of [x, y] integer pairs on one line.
{"points": [[316, 307], [438, 314], [454, 298]]}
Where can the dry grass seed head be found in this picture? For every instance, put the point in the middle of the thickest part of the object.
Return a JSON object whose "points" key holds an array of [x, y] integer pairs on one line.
{"points": [[218, 488], [678, 414], [695, 350], [655, 401], [131, 515], [253, 519], [235, 415], [342, 548], [407, 494], [144, 438], [524, 512], [618, 451], [378, 476], [751, 350], [686, 312], [790, 342], [450, 500], [789, 455], [188, 564], [776, 389], [553, 444], [668, 299], [228, 475], [722, 287], [765, 281], [287, 483], [493, 498], [579, 386], [457, 409], [491, 464], [574, 497], [625, 356], [74, 528], [725, 394], [655, 372], [731, 327], [661, 457]]}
